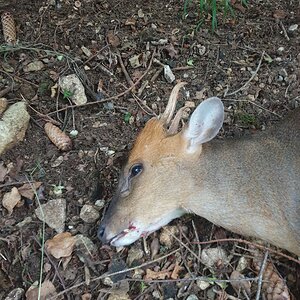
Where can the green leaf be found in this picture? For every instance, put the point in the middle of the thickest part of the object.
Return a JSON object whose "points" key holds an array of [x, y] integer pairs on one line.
{"points": [[190, 62], [127, 117]]}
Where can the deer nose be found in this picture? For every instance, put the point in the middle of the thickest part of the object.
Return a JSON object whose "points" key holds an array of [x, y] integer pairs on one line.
{"points": [[101, 233]]}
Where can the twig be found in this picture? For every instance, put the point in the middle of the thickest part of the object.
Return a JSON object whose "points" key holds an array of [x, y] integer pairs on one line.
{"points": [[260, 276], [115, 273], [284, 31], [197, 238], [251, 78], [255, 104], [52, 263], [184, 245], [157, 73], [110, 98], [128, 79], [5, 91], [15, 183], [252, 244]]}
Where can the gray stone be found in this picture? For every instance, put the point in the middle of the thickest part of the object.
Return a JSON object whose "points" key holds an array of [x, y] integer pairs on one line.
{"points": [[53, 213], [13, 126]]}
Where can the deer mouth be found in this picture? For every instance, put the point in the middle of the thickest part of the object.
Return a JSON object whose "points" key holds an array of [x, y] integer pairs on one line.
{"points": [[126, 237]]}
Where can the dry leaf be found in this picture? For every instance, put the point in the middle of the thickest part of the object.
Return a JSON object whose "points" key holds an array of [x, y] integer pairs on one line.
{"points": [[47, 291], [279, 14], [3, 172], [58, 137], [28, 190], [176, 270], [113, 39], [239, 284], [3, 105], [11, 199], [130, 22], [214, 257], [61, 245], [150, 275], [166, 237], [154, 247], [171, 50]]}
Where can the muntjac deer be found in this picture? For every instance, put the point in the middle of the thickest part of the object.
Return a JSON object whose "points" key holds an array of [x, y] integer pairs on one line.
{"points": [[250, 186]]}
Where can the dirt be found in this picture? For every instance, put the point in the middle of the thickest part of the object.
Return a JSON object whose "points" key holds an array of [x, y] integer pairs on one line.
{"points": [[252, 61]]}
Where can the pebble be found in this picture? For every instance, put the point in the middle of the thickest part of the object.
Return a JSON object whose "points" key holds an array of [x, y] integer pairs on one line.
{"points": [[168, 74], [89, 214], [192, 297], [53, 213], [293, 27]]}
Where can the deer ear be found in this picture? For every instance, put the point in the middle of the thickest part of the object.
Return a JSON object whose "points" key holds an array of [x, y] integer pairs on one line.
{"points": [[205, 123]]}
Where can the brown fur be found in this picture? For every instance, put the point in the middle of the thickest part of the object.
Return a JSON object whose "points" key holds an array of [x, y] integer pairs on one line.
{"points": [[249, 186]]}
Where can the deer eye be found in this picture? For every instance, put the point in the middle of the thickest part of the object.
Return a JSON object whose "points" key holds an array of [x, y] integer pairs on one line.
{"points": [[136, 170]]}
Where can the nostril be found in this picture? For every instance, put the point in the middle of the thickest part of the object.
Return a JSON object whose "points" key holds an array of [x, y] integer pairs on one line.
{"points": [[101, 231]]}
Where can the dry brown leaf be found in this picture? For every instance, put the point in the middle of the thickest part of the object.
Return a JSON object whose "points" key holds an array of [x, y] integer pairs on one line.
{"points": [[86, 296], [239, 284], [3, 172], [58, 137], [154, 247], [130, 22], [171, 50], [150, 275], [47, 291], [3, 105], [113, 39], [176, 270], [11, 199], [28, 190], [61, 245], [279, 14]]}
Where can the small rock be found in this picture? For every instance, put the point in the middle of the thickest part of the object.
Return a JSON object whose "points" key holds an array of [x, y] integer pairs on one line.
{"points": [[283, 73], [100, 203], [34, 66], [201, 49], [156, 294], [85, 245], [16, 294], [53, 213], [57, 162], [293, 27], [140, 13], [13, 126], [192, 297], [72, 85], [251, 97], [86, 51], [203, 285], [26, 221], [135, 61], [280, 49], [160, 42], [190, 104], [168, 74], [89, 214], [212, 256], [242, 264], [134, 254]]}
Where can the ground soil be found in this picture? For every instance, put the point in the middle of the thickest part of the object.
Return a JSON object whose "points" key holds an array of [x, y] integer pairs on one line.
{"points": [[216, 63]]}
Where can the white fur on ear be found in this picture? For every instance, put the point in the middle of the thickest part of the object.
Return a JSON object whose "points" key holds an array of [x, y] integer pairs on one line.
{"points": [[205, 123]]}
